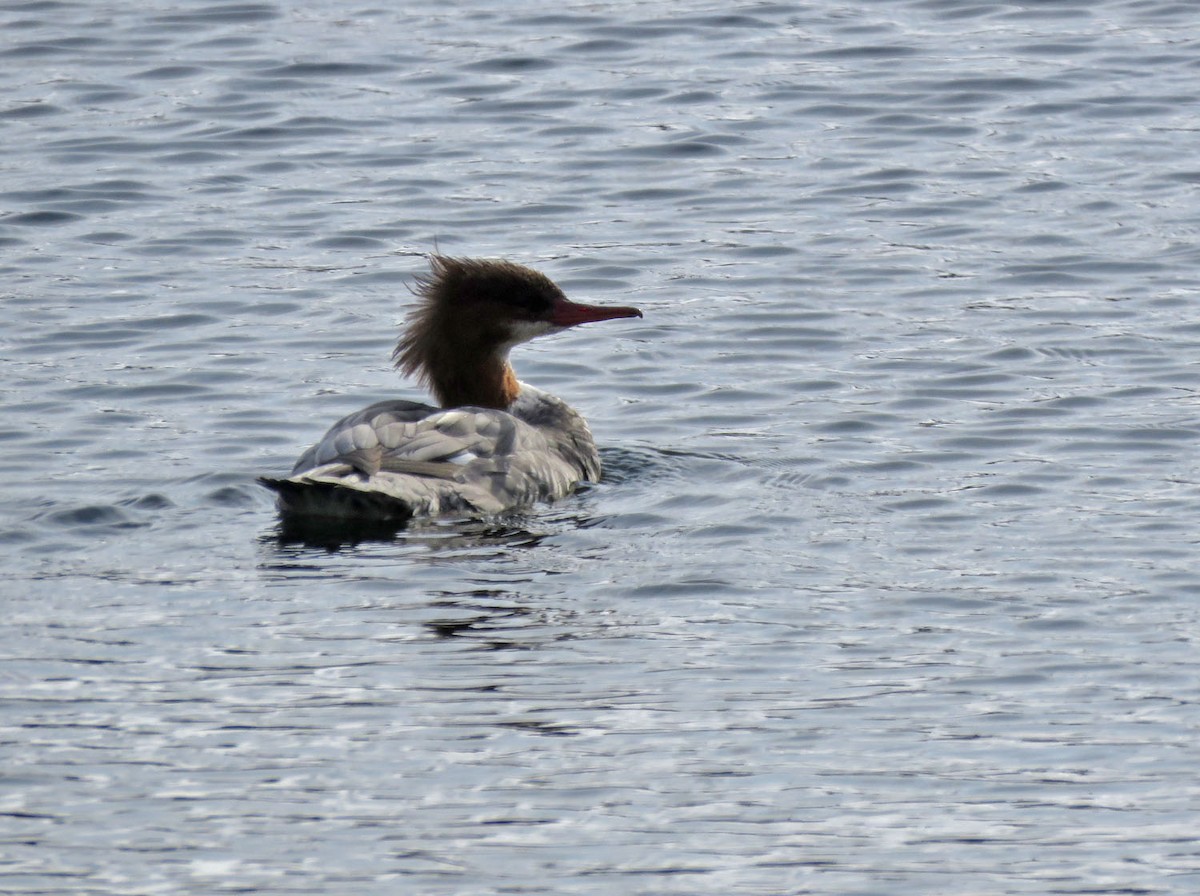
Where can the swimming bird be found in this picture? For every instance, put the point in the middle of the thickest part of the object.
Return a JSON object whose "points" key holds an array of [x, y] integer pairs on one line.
{"points": [[492, 444]]}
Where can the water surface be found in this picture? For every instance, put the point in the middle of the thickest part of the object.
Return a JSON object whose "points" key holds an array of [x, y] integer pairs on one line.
{"points": [[890, 586]]}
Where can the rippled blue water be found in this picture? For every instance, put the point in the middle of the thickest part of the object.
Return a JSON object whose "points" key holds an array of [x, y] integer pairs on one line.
{"points": [[891, 586]]}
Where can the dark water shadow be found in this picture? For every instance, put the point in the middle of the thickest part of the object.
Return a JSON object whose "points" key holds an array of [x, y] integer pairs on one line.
{"points": [[295, 535], [331, 535]]}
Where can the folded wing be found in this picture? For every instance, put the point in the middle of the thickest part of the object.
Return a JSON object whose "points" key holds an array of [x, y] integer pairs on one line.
{"points": [[398, 459]]}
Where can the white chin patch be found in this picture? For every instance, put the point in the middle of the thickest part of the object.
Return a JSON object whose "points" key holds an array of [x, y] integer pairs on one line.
{"points": [[524, 330]]}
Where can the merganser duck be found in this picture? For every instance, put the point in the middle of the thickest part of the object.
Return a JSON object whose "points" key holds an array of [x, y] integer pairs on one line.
{"points": [[493, 444]]}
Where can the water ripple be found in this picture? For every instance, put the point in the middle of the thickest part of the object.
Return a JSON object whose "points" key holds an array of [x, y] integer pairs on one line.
{"points": [[896, 533]]}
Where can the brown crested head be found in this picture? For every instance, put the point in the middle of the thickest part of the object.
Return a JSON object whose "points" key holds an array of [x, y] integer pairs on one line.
{"points": [[469, 313]]}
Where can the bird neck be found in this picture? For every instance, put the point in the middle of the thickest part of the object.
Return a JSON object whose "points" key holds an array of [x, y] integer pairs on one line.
{"points": [[486, 382]]}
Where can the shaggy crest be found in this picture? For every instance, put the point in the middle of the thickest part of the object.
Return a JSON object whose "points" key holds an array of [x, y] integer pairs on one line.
{"points": [[469, 313]]}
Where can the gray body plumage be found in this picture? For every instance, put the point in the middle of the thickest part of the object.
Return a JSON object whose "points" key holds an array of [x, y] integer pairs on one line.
{"points": [[396, 460]]}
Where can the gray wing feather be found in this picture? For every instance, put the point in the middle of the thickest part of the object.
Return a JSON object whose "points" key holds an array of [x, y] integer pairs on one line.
{"points": [[426, 460]]}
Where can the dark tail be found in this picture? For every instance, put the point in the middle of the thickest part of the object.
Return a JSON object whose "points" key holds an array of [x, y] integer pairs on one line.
{"points": [[330, 501]]}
